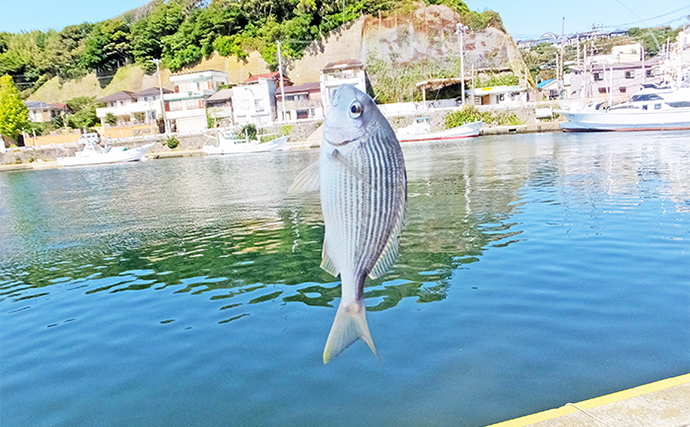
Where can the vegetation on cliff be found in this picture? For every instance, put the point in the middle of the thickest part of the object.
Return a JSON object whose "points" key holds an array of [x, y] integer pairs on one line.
{"points": [[182, 32]]}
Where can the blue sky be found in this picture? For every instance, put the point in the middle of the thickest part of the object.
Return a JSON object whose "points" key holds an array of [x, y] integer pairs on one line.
{"points": [[523, 18]]}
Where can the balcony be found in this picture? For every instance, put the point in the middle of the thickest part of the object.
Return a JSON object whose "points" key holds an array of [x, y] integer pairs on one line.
{"points": [[129, 109], [301, 104]]}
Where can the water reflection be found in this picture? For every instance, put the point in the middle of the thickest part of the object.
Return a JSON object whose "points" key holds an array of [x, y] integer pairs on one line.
{"points": [[227, 225]]}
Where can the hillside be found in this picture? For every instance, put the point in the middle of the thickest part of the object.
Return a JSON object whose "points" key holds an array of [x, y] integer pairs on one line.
{"points": [[399, 50]]}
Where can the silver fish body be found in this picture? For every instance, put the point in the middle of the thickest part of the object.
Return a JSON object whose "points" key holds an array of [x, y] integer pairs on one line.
{"points": [[363, 198]]}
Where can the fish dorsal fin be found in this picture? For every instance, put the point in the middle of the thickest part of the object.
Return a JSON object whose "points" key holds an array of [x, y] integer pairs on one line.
{"points": [[390, 251], [307, 180], [327, 262]]}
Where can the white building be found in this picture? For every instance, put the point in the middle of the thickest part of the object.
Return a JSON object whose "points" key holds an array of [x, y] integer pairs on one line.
{"points": [[186, 106], [336, 73], [498, 95], [127, 106], [254, 101]]}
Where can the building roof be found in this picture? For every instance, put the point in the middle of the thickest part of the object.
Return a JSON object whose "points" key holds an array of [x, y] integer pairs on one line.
{"points": [[304, 87], [544, 83], [221, 95], [345, 64], [272, 76], [151, 91], [184, 73], [36, 105], [122, 95]]}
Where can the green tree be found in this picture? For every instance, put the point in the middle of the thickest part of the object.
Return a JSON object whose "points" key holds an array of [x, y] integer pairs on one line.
{"points": [[14, 115], [108, 46], [110, 119]]}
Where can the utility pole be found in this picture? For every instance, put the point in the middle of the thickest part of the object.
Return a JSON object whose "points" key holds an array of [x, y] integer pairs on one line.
{"points": [[282, 82], [461, 30], [160, 87]]}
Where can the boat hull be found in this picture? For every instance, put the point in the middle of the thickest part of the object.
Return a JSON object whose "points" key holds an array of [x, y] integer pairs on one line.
{"points": [[626, 121], [114, 155], [465, 131], [237, 147]]}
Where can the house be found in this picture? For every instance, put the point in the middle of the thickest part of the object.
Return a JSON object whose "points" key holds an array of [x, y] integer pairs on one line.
{"points": [[254, 101], [615, 80], [498, 95], [186, 104], [41, 112], [219, 107], [339, 72], [301, 102], [132, 108]]}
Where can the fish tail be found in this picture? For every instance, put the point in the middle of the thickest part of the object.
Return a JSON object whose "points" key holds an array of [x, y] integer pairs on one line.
{"points": [[349, 325]]}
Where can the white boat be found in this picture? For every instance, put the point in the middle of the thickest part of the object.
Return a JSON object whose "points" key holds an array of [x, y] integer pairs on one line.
{"points": [[229, 144], [420, 130], [649, 109], [95, 154]]}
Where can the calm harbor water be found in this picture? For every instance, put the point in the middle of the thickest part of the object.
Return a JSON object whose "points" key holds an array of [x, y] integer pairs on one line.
{"points": [[535, 270]]}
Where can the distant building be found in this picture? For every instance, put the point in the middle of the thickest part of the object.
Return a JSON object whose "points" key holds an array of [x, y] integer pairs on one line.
{"points": [[301, 102], [254, 101], [336, 73], [186, 105], [619, 80], [132, 108], [42, 112], [219, 107], [498, 95]]}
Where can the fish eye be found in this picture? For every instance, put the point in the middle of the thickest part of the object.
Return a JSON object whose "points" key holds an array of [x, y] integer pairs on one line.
{"points": [[355, 110]]}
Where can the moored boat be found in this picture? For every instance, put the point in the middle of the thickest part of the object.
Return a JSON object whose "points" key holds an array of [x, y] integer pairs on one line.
{"points": [[94, 154], [420, 130], [229, 144], [649, 109]]}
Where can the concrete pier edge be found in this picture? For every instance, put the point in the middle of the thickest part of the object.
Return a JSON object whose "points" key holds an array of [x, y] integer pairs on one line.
{"points": [[567, 409]]}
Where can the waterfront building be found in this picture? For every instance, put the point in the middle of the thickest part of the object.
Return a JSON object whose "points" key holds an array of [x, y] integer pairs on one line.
{"points": [[42, 112], [302, 102], [498, 95], [254, 101], [132, 108], [186, 105], [339, 72], [219, 108]]}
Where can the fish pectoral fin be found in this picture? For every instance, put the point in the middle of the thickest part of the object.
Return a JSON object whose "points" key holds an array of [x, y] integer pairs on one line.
{"points": [[350, 324], [346, 163], [327, 262], [307, 180]]}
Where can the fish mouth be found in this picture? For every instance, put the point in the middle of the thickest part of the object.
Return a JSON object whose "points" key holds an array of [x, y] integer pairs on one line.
{"points": [[338, 144]]}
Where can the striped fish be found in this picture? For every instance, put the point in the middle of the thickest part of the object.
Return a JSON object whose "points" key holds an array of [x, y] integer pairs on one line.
{"points": [[363, 183]]}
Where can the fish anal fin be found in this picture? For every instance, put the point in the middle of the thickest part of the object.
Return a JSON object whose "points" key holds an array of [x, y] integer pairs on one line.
{"points": [[350, 324], [307, 180], [327, 262]]}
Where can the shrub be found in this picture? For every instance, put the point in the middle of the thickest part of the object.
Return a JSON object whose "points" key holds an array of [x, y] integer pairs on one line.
{"points": [[249, 129], [172, 142]]}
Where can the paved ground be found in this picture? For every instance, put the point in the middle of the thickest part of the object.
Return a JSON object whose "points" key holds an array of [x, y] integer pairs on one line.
{"points": [[664, 403]]}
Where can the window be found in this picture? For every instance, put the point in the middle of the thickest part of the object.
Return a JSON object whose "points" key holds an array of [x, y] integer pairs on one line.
{"points": [[243, 104], [500, 97], [193, 104], [630, 74], [258, 105], [622, 89], [649, 73], [644, 107], [598, 77], [657, 106], [603, 90]]}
